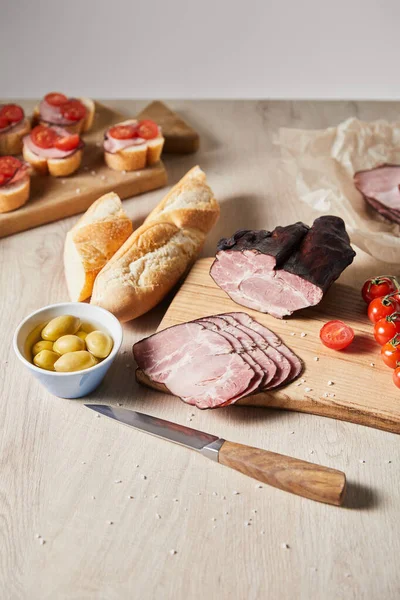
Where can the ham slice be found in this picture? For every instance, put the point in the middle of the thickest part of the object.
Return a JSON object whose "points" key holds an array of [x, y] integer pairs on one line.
{"points": [[215, 361], [51, 152], [52, 114], [380, 188]]}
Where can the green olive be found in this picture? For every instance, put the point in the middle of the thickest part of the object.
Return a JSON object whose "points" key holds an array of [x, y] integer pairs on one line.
{"points": [[68, 343], [46, 359], [82, 334], [62, 325], [99, 344], [42, 345], [75, 361], [87, 327]]}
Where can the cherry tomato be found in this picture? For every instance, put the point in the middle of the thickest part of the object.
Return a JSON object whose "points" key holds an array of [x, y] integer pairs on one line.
{"points": [[67, 143], [123, 132], [9, 165], [336, 335], [73, 110], [377, 287], [391, 352], [55, 99], [12, 112], [4, 122], [385, 329], [380, 308], [396, 377], [147, 129], [43, 136]]}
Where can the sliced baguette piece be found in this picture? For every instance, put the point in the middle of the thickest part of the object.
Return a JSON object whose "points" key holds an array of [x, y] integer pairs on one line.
{"points": [[145, 269], [93, 240], [130, 159], [58, 167], [11, 142], [190, 203], [15, 195]]}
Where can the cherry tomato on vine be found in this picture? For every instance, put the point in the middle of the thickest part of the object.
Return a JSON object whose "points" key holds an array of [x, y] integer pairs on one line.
{"points": [[336, 335], [396, 377], [380, 308], [377, 287], [391, 352], [385, 329]]}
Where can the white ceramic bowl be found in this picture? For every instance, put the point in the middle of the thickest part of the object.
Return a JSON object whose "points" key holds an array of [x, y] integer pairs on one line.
{"points": [[78, 383]]}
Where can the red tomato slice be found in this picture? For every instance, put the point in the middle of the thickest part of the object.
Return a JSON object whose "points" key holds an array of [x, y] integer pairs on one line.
{"points": [[147, 129], [12, 112], [67, 143], [336, 335], [391, 352], [4, 122], [43, 136], [55, 99], [8, 167], [123, 132], [382, 307], [73, 110], [377, 287]]}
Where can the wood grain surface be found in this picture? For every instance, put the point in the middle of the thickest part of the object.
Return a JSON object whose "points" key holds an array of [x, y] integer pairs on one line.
{"points": [[59, 463], [53, 198], [358, 369]]}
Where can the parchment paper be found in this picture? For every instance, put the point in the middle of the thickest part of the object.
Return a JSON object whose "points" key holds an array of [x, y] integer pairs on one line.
{"points": [[324, 162]]}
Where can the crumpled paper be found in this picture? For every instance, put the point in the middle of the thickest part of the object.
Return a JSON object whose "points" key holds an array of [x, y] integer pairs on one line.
{"points": [[323, 163]]}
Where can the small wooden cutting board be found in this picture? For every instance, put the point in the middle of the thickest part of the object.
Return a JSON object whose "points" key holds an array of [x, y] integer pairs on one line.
{"points": [[54, 198], [362, 390]]}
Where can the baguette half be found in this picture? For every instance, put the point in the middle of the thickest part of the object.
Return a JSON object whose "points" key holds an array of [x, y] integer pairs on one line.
{"points": [[11, 142], [58, 167], [15, 195], [145, 269], [93, 240]]}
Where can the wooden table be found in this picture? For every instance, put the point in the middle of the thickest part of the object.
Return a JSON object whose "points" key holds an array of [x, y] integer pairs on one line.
{"points": [[60, 465]]}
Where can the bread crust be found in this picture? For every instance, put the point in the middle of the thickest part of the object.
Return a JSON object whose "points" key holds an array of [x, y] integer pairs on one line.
{"points": [[156, 256], [93, 240], [14, 196], [11, 143], [57, 167]]}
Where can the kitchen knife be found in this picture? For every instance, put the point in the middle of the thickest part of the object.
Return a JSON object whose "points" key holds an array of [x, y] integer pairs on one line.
{"points": [[289, 474]]}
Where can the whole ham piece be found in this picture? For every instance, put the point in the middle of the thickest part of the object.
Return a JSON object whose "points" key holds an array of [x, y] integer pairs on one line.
{"points": [[215, 361], [285, 270], [380, 188]]}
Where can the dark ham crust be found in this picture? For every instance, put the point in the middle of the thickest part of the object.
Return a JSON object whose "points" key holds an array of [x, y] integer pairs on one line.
{"points": [[385, 198], [278, 243], [283, 271], [324, 253], [214, 361]]}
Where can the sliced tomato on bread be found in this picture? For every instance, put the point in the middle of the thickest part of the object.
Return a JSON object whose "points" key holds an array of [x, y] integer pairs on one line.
{"points": [[73, 110], [123, 132], [67, 143], [43, 136], [56, 99], [9, 165], [12, 113], [147, 129]]}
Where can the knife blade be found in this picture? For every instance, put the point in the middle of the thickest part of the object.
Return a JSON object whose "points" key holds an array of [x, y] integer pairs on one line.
{"points": [[309, 480]]}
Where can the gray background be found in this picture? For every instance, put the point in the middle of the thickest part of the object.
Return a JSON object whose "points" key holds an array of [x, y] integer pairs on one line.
{"points": [[203, 49]]}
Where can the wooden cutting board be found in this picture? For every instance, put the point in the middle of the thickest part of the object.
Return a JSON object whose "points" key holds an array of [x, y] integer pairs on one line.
{"points": [[361, 393], [55, 198]]}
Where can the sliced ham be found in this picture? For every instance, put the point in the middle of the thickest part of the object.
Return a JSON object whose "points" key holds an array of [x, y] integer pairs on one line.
{"points": [[52, 114], [380, 188], [51, 152], [215, 361], [196, 364], [286, 270]]}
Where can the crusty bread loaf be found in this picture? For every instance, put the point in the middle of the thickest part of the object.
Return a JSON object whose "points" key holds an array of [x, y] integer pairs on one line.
{"points": [[15, 195], [80, 126], [11, 142], [137, 157], [155, 257], [93, 240], [58, 167]]}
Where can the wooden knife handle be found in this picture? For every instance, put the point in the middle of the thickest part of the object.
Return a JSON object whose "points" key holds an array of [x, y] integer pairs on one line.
{"points": [[289, 474]]}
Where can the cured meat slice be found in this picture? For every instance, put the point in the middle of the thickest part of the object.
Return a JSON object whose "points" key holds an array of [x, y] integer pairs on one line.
{"points": [[284, 369], [312, 262], [380, 188], [196, 364], [245, 345], [295, 364]]}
